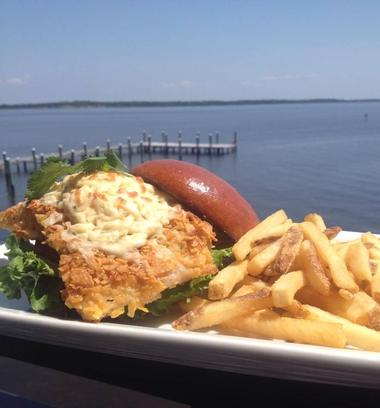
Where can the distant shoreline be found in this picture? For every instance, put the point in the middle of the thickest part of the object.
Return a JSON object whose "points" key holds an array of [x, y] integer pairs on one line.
{"points": [[157, 104]]}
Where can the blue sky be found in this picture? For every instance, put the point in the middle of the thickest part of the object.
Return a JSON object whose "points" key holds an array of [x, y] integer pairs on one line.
{"points": [[185, 50]]}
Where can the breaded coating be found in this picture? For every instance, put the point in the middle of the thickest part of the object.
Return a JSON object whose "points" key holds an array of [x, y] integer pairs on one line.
{"points": [[99, 285], [21, 221]]}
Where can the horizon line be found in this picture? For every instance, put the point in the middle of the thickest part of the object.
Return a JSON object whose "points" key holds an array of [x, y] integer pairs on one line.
{"points": [[82, 103]]}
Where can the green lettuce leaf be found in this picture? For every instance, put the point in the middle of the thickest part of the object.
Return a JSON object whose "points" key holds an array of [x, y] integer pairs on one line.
{"points": [[169, 297], [189, 289], [55, 169], [28, 273], [220, 256]]}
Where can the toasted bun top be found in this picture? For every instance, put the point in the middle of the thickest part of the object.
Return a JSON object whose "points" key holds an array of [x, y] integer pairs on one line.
{"points": [[202, 192]]}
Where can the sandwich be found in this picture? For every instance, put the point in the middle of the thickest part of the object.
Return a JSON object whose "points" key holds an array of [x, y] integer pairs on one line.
{"points": [[104, 242]]}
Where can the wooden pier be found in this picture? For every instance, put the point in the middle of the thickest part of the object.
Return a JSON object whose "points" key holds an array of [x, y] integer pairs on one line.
{"points": [[145, 148]]}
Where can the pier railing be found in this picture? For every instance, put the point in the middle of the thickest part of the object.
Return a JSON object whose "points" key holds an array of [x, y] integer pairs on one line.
{"points": [[145, 148]]}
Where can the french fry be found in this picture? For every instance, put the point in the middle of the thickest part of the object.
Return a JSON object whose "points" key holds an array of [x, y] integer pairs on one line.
{"points": [[357, 261], [361, 308], [242, 248], [369, 238], [259, 248], [345, 294], [270, 325], [251, 287], [332, 232], [191, 304], [274, 233], [342, 251], [317, 220], [357, 335], [295, 309], [339, 244], [215, 313], [285, 287], [338, 270], [307, 260], [375, 284], [374, 265], [289, 249], [223, 283], [258, 263], [374, 253]]}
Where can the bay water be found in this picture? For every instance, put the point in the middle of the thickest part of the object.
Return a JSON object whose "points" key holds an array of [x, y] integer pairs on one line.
{"points": [[312, 157]]}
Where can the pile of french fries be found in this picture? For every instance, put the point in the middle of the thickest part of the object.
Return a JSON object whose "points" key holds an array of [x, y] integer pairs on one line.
{"points": [[295, 282]]}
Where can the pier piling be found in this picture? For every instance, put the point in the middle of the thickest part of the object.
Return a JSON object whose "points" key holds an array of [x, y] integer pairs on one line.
{"points": [[210, 144], [180, 145], [85, 154], [141, 151], [129, 147], [60, 152], [217, 143], [8, 176], [150, 146], [34, 158], [166, 144]]}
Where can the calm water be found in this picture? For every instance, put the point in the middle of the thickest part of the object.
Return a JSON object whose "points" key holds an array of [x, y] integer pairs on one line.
{"points": [[303, 157]]}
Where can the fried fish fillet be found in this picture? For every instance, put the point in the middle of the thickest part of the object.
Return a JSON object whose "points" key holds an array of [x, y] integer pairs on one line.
{"points": [[99, 285]]}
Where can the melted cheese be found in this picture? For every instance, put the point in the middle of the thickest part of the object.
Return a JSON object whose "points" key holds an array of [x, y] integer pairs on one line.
{"points": [[112, 212]]}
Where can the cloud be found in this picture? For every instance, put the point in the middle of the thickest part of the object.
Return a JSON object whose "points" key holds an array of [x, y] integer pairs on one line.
{"points": [[287, 77], [22, 80], [177, 84]]}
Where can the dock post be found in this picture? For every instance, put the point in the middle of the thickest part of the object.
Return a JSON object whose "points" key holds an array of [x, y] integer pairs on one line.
{"points": [[42, 159], [144, 139], [217, 143], [180, 145], [18, 165], [210, 143], [235, 140], [25, 166], [8, 176], [6, 170], [197, 139], [85, 153], [97, 151], [166, 144], [129, 147], [150, 146], [108, 145], [120, 149], [161, 148], [141, 151], [4, 160], [34, 158], [60, 152]]}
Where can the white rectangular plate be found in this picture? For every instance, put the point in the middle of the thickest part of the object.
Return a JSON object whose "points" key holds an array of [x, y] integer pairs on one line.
{"points": [[270, 358]]}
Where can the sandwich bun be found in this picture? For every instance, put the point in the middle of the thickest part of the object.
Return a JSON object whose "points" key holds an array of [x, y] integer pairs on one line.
{"points": [[202, 192]]}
